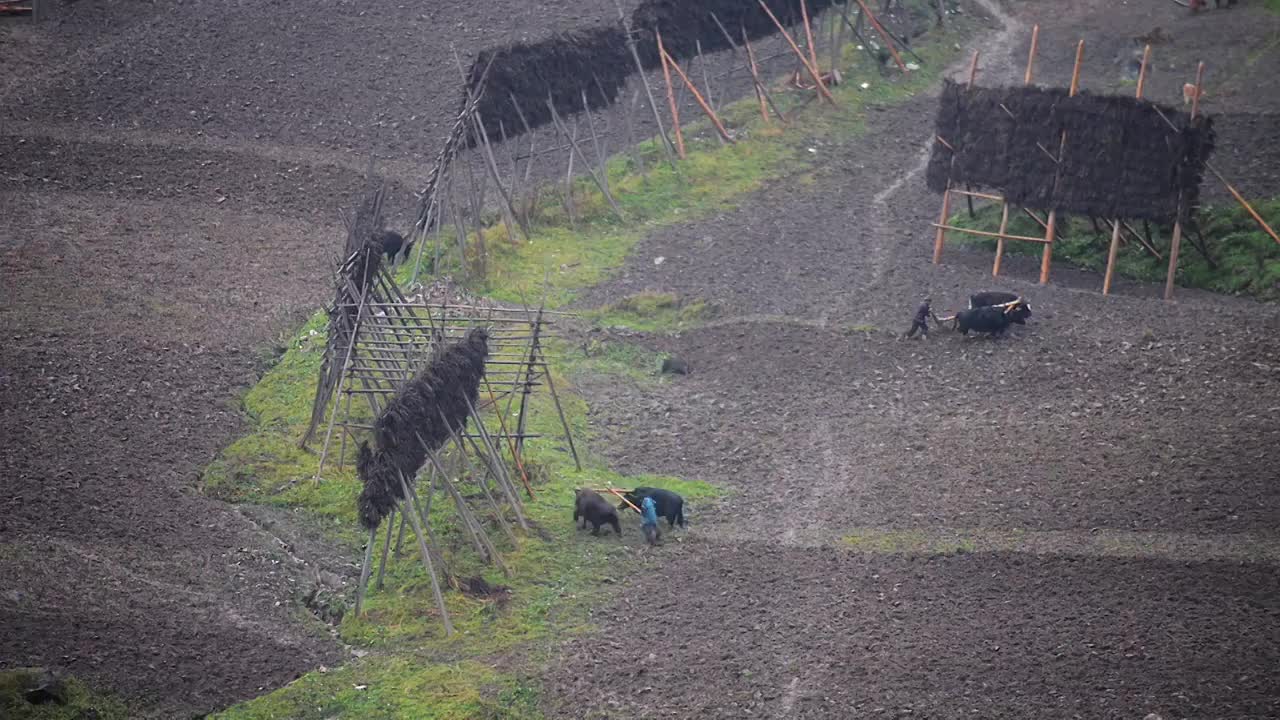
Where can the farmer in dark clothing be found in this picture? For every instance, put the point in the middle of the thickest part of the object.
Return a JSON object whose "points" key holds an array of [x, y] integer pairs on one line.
{"points": [[649, 520], [921, 320]]}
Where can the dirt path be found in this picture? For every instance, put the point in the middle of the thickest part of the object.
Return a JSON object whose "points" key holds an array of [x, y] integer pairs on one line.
{"points": [[1078, 520]]}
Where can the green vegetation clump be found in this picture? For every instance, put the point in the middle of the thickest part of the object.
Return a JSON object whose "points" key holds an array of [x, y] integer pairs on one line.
{"points": [[78, 700], [1245, 259], [652, 312]]}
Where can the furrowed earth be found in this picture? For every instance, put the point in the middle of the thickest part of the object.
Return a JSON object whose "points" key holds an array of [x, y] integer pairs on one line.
{"points": [[1076, 520]]}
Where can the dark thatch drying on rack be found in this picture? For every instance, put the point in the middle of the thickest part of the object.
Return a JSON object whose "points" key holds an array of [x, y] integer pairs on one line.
{"points": [[382, 488], [685, 23], [561, 67], [1121, 159], [428, 409], [566, 65]]}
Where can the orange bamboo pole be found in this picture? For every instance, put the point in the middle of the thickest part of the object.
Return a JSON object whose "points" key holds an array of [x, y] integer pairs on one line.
{"points": [[1175, 244], [1046, 258], [502, 423], [942, 222], [1142, 71], [671, 98], [808, 34], [711, 114], [1115, 226], [1004, 228], [755, 78], [616, 491], [884, 37], [1244, 203], [940, 238], [813, 72], [1031, 56]]}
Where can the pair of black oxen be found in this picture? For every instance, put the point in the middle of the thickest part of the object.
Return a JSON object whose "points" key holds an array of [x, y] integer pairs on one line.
{"points": [[592, 508], [992, 313]]}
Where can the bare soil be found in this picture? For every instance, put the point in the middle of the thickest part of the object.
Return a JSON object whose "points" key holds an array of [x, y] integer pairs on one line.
{"points": [[1076, 520], [169, 180]]}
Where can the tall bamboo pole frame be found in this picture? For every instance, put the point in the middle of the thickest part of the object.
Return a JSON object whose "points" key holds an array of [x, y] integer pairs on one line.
{"points": [[1175, 243], [1115, 225], [1046, 255]]}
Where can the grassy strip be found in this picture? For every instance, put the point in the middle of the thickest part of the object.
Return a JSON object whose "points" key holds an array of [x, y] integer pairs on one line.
{"points": [[1248, 260], [79, 701], [410, 669]]}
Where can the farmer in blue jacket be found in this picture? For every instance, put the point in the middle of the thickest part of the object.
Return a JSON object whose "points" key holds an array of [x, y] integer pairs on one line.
{"points": [[649, 520]]}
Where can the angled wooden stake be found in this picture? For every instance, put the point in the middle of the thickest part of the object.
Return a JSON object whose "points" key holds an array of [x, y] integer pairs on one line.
{"points": [[1046, 257], [1115, 225], [808, 34], [648, 91], [671, 99], [573, 145], [364, 570], [386, 548], [412, 512], [711, 114], [813, 71], [888, 41], [1175, 243]]}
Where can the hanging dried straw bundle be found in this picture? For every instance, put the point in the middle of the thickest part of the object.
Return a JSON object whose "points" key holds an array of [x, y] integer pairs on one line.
{"points": [[423, 415]]}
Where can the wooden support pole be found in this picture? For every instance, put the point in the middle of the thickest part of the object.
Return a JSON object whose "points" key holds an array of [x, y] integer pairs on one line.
{"points": [[364, 570], [469, 522], [706, 75], [346, 362], [837, 41], [762, 91], [412, 512], [1175, 243], [602, 155], [494, 460], [386, 548], [1115, 225], [509, 215], [888, 41], [1004, 227], [648, 91], [671, 99], [808, 35], [942, 221], [941, 236], [751, 65], [1111, 258], [568, 175], [502, 424], [400, 532], [1142, 70], [1031, 56], [484, 486], [711, 114], [1046, 256], [1245, 204], [568, 434], [591, 171], [813, 71]]}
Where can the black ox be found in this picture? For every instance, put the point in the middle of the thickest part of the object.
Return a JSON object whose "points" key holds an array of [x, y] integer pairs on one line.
{"points": [[992, 320]]}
